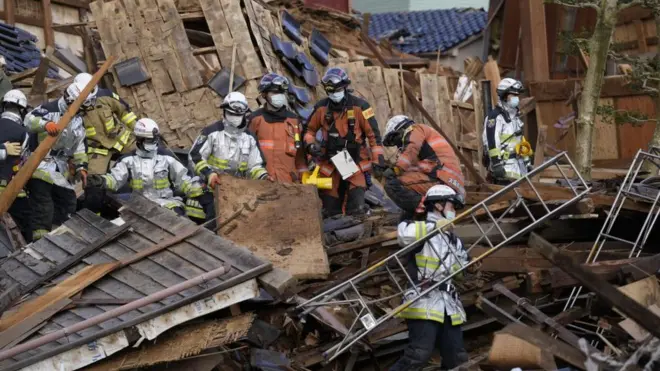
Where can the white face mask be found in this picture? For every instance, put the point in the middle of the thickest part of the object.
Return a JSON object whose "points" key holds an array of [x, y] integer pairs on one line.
{"points": [[336, 96], [278, 100], [514, 101], [450, 214], [234, 120]]}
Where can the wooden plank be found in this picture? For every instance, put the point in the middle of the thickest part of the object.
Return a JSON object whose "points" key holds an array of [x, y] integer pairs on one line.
{"points": [[641, 36], [492, 73], [605, 141], [509, 39], [23, 75], [479, 118], [606, 291], [635, 135], [293, 243], [10, 12], [534, 40], [39, 81], [47, 12], [430, 97], [395, 98], [360, 244], [449, 127], [64, 289], [380, 104], [174, 32], [27, 326]]}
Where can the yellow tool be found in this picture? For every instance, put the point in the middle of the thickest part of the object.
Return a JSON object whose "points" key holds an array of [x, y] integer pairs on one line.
{"points": [[524, 149], [315, 180]]}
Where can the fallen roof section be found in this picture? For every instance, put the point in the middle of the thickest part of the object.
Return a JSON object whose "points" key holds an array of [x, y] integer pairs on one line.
{"points": [[150, 224]]}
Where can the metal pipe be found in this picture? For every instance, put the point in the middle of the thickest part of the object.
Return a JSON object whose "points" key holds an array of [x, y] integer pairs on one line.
{"points": [[229, 283], [155, 297]]}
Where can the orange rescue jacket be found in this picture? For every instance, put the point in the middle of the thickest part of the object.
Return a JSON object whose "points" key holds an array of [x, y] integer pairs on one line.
{"points": [[426, 151], [277, 134], [335, 123]]}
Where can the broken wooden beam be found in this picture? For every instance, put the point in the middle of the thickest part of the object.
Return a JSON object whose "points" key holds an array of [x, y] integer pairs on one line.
{"points": [[361, 244], [610, 294], [608, 270]]}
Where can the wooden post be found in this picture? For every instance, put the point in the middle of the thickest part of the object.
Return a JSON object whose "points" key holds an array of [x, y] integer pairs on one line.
{"points": [[534, 40], [49, 34], [492, 73], [641, 36], [18, 182], [478, 103], [610, 294], [10, 12], [231, 71]]}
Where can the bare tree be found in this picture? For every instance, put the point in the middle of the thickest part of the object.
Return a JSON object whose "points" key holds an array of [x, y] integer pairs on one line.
{"points": [[598, 47]]}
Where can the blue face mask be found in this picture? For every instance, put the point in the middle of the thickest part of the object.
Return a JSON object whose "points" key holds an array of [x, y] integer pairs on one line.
{"points": [[514, 101]]}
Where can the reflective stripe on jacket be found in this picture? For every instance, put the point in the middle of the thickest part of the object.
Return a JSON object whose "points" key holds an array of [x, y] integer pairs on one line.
{"points": [[427, 151], [277, 133], [440, 255], [503, 130], [216, 150], [154, 177], [110, 124], [354, 109], [70, 146]]}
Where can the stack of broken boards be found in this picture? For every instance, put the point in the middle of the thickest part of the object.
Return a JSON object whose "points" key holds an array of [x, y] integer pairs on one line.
{"points": [[61, 289]]}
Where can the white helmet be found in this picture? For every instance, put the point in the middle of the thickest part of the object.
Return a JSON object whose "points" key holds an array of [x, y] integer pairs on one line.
{"points": [[73, 91], [235, 108], [394, 125], [509, 86], [147, 134], [441, 192], [16, 97]]}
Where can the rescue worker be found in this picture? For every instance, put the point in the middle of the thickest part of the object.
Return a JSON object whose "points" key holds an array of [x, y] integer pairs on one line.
{"points": [[51, 188], [343, 120], [225, 148], [434, 321], [425, 160], [277, 131], [14, 142], [151, 171], [109, 125], [503, 136]]}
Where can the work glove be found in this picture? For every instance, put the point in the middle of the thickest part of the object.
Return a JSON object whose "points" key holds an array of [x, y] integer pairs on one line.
{"points": [[13, 148], [497, 169], [213, 180], [52, 129], [314, 149], [81, 175], [378, 170], [391, 172], [95, 181]]}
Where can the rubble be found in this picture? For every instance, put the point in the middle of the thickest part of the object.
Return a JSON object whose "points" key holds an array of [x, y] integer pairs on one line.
{"points": [[277, 287]]}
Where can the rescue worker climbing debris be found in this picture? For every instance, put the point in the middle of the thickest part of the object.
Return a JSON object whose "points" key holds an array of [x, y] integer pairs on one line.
{"points": [[153, 172], [278, 131], [434, 321], [14, 149], [425, 160], [109, 130], [51, 188], [225, 148], [343, 121], [507, 154]]}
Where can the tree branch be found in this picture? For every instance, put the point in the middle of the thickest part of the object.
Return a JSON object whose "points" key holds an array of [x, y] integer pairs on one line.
{"points": [[631, 4], [577, 4]]}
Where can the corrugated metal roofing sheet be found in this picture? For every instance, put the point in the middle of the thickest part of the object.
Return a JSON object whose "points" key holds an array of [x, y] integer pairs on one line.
{"points": [[430, 30]]}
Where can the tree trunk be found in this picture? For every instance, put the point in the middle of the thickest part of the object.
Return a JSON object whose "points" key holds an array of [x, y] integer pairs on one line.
{"points": [[599, 45]]}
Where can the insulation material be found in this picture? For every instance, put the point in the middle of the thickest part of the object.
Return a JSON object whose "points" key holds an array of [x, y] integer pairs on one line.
{"points": [[277, 222], [181, 343]]}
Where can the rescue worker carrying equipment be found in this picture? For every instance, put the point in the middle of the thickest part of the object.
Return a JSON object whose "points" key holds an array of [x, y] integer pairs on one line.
{"points": [[277, 130], [434, 321], [14, 143], [343, 120], [425, 160], [109, 127], [225, 148], [153, 172], [52, 196], [503, 136]]}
